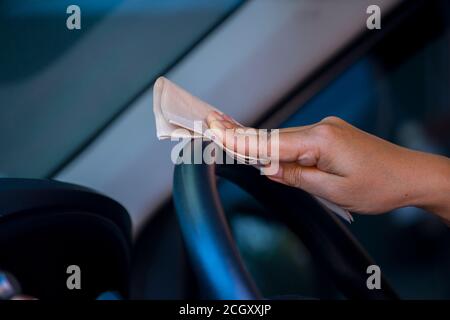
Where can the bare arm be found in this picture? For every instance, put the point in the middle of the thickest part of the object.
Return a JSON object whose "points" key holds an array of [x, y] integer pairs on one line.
{"points": [[359, 171]]}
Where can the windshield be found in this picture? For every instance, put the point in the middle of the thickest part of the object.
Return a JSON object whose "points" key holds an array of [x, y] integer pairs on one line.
{"points": [[59, 87], [399, 90]]}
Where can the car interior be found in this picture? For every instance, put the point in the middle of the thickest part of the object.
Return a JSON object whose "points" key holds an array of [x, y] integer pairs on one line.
{"points": [[84, 180]]}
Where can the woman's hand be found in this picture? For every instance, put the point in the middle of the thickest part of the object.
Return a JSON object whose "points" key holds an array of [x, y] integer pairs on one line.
{"points": [[360, 172]]}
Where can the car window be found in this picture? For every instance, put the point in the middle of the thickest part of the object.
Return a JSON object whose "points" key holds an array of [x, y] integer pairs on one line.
{"points": [[407, 104], [398, 90], [59, 87]]}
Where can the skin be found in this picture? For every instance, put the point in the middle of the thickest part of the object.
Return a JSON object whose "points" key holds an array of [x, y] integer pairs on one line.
{"points": [[352, 168]]}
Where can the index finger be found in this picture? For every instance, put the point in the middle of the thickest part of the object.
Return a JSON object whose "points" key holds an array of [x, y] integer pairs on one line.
{"points": [[287, 145]]}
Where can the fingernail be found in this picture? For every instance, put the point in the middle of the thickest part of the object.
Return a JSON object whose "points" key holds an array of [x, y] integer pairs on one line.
{"points": [[215, 134], [278, 175], [227, 117], [232, 121], [217, 124], [214, 120], [218, 116], [228, 124]]}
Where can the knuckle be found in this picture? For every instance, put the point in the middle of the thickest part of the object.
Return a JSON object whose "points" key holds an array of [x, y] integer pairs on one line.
{"points": [[332, 119], [325, 130], [293, 176]]}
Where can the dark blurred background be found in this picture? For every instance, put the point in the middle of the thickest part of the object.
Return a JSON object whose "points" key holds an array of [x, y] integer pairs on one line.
{"points": [[57, 93], [398, 89]]}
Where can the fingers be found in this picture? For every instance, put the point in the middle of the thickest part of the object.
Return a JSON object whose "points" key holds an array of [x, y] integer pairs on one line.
{"points": [[295, 146], [222, 121], [310, 179], [288, 145], [216, 121], [245, 141], [296, 149]]}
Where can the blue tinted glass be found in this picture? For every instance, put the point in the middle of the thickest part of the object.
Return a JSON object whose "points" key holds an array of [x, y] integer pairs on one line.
{"points": [[59, 86], [352, 97], [407, 103]]}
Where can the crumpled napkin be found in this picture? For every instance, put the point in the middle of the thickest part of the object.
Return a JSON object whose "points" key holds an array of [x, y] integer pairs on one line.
{"points": [[175, 108]]}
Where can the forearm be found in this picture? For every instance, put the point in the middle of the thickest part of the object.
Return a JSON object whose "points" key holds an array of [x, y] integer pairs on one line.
{"points": [[430, 183]]}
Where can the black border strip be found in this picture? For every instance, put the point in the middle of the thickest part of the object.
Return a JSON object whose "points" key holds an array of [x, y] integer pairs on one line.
{"points": [[54, 172]]}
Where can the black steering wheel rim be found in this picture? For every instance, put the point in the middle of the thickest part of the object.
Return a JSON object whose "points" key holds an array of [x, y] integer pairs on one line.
{"points": [[214, 254]]}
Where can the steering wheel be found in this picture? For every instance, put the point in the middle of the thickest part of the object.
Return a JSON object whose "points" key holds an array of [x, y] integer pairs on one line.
{"points": [[47, 226], [213, 251]]}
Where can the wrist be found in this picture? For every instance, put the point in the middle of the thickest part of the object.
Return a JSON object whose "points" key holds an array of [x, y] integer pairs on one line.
{"points": [[431, 183]]}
